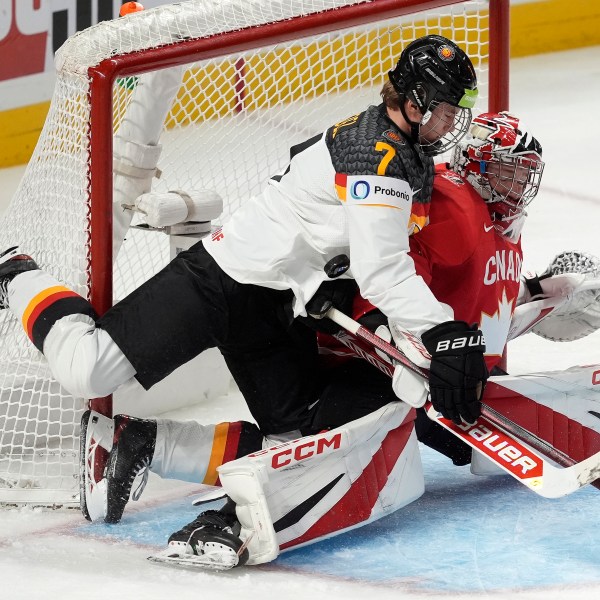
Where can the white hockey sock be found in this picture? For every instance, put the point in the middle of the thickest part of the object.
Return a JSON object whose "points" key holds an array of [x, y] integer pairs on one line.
{"points": [[183, 450]]}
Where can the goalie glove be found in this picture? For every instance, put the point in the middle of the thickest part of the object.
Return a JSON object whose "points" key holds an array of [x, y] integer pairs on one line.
{"points": [[579, 315], [458, 372]]}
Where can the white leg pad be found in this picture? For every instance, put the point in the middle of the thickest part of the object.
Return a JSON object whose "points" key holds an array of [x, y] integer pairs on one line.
{"points": [[319, 486], [246, 481], [482, 465], [136, 149]]}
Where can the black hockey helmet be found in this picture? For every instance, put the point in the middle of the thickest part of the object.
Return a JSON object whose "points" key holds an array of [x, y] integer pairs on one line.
{"points": [[433, 70]]}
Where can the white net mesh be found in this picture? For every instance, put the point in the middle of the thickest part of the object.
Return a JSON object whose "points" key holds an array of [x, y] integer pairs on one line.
{"points": [[229, 129]]}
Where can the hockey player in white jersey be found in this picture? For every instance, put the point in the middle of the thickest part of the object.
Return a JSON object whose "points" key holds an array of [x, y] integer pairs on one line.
{"points": [[501, 163], [360, 189]]}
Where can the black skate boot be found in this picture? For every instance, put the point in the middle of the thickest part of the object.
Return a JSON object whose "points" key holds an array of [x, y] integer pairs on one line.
{"points": [[11, 264], [210, 541], [132, 452]]}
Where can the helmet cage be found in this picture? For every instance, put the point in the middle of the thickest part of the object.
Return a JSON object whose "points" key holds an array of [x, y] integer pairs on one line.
{"points": [[504, 164], [516, 181], [456, 120]]}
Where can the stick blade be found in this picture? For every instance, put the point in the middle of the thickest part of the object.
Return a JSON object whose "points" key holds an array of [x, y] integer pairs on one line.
{"points": [[519, 460]]}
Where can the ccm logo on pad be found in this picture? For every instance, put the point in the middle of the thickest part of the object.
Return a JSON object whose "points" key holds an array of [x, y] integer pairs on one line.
{"points": [[306, 449]]}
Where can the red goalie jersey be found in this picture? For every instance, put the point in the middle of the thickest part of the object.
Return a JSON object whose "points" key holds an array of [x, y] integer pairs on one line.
{"points": [[466, 262]]}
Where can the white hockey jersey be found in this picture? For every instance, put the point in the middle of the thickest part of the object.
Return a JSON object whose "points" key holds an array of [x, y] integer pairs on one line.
{"points": [[359, 189]]}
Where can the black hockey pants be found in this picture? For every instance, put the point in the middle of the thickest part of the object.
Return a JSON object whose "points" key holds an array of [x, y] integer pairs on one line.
{"points": [[192, 305]]}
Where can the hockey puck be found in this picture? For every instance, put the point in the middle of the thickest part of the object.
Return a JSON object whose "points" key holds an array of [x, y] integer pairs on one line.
{"points": [[337, 266]]}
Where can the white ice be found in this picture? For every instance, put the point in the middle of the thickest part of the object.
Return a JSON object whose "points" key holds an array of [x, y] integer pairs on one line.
{"points": [[467, 537]]}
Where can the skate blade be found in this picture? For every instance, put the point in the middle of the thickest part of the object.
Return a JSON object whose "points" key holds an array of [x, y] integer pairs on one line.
{"points": [[215, 557]]}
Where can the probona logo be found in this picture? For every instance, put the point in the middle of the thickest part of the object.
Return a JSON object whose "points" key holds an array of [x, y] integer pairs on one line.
{"points": [[360, 190], [391, 192]]}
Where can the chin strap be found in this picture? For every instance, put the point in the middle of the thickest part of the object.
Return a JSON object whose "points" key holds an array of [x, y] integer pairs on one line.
{"points": [[414, 127]]}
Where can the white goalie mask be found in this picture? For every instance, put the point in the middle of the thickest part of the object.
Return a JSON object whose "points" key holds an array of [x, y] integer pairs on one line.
{"points": [[503, 162]]}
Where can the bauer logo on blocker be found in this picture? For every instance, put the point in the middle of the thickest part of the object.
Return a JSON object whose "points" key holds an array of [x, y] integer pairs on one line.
{"points": [[360, 189]]}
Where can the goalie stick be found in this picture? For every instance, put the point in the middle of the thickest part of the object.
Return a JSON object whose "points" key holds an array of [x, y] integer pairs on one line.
{"points": [[514, 449], [487, 411]]}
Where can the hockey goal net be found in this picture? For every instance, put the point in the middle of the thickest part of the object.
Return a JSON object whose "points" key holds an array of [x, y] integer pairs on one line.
{"points": [[255, 78]]}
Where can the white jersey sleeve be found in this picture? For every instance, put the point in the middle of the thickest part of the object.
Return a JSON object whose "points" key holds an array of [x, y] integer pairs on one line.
{"points": [[378, 211], [313, 212]]}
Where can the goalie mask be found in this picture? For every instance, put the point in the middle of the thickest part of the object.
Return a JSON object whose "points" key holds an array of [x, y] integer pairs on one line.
{"points": [[503, 162], [439, 78]]}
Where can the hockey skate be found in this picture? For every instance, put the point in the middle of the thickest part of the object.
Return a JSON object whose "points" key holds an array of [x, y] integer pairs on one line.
{"points": [[131, 454], [113, 453], [12, 264], [209, 542]]}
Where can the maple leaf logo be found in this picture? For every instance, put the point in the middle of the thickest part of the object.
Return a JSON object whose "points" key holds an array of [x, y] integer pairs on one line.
{"points": [[495, 326]]}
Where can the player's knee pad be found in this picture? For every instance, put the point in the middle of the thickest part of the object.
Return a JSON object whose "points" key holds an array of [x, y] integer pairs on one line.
{"points": [[84, 359]]}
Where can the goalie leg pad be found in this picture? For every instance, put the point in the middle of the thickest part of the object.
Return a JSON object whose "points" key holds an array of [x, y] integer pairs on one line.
{"points": [[319, 486], [481, 465], [244, 483], [163, 209], [559, 407]]}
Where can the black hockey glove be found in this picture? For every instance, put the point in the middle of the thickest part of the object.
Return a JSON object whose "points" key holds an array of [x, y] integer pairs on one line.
{"points": [[458, 372], [338, 293]]}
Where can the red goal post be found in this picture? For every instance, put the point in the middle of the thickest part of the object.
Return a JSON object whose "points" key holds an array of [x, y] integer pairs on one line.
{"points": [[257, 77]]}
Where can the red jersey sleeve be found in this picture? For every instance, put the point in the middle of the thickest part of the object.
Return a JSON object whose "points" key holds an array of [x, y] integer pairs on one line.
{"points": [[452, 235]]}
